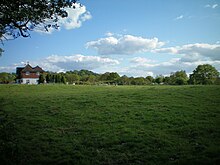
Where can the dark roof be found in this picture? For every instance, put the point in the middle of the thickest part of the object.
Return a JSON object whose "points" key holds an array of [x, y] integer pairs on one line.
{"points": [[27, 68], [38, 69]]}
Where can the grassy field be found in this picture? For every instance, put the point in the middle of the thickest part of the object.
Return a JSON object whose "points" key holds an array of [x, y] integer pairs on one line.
{"points": [[58, 124]]}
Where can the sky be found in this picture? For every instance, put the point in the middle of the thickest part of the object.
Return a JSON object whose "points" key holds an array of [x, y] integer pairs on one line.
{"points": [[133, 38]]}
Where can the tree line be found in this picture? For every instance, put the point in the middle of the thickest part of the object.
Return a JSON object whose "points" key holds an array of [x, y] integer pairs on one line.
{"points": [[204, 74]]}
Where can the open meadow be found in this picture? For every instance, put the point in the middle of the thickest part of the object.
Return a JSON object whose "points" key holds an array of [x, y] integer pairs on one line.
{"points": [[64, 124]]}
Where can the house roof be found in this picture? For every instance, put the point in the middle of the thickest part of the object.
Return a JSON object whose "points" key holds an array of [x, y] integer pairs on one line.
{"points": [[20, 71], [28, 68], [38, 69]]}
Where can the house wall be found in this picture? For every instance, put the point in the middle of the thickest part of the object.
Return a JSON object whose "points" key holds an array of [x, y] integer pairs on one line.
{"points": [[29, 80]]}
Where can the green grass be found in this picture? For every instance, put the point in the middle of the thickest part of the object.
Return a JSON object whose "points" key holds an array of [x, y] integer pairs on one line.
{"points": [[58, 124]]}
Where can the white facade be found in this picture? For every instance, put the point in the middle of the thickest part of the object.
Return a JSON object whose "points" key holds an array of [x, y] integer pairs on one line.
{"points": [[28, 81]]}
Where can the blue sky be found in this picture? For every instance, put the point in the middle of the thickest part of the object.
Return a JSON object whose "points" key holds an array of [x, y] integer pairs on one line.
{"points": [[135, 38]]}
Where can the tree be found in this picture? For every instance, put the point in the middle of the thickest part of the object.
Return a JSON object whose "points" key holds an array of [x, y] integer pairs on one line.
{"points": [[41, 79], [149, 79], [159, 79], [63, 79], [204, 74], [123, 80], [178, 78], [104, 77], [7, 77], [57, 78], [113, 76], [1, 50], [72, 78], [166, 80], [138, 81], [18, 18], [91, 79]]}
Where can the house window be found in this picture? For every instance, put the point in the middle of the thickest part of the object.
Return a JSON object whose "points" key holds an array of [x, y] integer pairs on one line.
{"points": [[27, 81], [27, 73], [38, 73]]}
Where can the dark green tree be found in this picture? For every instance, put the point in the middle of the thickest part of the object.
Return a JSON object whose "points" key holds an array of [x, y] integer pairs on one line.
{"points": [[113, 76], [7, 77], [91, 79], [48, 78], [41, 79], [123, 80], [18, 18], [63, 79], [149, 79], [104, 77], [1, 50], [58, 78], [138, 81], [72, 77], [204, 74], [159, 79], [166, 80], [178, 78]]}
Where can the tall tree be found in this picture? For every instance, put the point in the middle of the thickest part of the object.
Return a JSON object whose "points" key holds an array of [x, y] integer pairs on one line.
{"points": [[178, 78], [204, 74], [41, 79], [18, 17], [58, 78], [63, 79], [159, 79], [149, 79]]}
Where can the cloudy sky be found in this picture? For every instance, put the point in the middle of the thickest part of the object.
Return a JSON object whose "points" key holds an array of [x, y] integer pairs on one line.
{"points": [[135, 38]]}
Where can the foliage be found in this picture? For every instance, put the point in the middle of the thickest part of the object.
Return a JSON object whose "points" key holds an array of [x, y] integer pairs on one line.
{"points": [[1, 50], [54, 124], [138, 81], [109, 77], [6, 78], [204, 74], [72, 78], [150, 79], [159, 79], [63, 79], [42, 79], [20, 17], [178, 78], [87, 77], [123, 80]]}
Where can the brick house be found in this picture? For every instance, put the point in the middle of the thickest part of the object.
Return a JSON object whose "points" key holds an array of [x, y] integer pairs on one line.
{"points": [[28, 75]]}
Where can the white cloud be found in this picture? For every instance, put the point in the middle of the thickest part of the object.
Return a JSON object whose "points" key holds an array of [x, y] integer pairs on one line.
{"points": [[194, 52], [76, 16], [179, 17], [211, 6], [141, 60], [140, 68], [8, 69], [214, 6], [109, 34], [126, 44], [58, 63], [76, 62]]}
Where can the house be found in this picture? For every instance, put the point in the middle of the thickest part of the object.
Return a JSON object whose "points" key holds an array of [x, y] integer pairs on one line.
{"points": [[28, 75]]}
